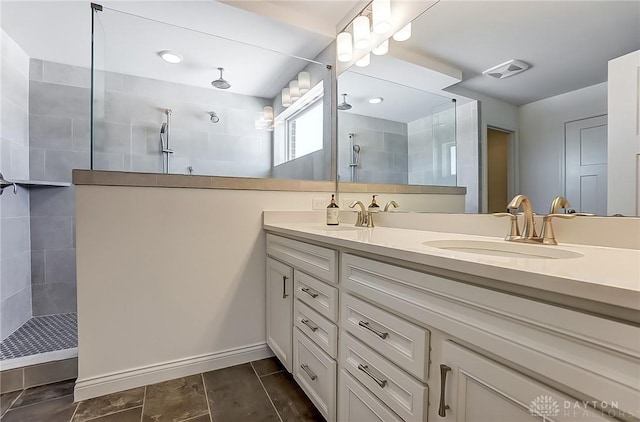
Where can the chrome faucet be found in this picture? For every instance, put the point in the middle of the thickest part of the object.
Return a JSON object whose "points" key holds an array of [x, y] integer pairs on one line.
{"points": [[529, 228], [393, 204], [363, 217]]}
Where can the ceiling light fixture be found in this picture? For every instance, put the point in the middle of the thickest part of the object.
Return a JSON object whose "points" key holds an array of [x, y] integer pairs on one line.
{"points": [[403, 34], [361, 34], [382, 49], [170, 56], [364, 61], [381, 11], [294, 91], [304, 82], [345, 47], [376, 100]]}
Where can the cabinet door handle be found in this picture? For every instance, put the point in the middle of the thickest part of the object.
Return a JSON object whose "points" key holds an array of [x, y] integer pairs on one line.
{"points": [[308, 324], [380, 334], [442, 409], [306, 369], [365, 369], [284, 286], [309, 292]]}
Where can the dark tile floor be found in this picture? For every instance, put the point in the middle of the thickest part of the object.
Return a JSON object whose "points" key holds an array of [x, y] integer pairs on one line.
{"points": [[256, 391]]}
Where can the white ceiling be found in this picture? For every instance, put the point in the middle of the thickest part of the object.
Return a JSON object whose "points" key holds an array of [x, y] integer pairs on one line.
{"points": [[567, 43], [60, 31]]}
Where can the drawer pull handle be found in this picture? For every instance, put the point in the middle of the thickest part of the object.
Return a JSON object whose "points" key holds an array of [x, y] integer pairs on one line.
{"points": [[380, 334], [365, 369], [306, 369], [308, 324], [442, 409], [284, 286], [309, 292]]}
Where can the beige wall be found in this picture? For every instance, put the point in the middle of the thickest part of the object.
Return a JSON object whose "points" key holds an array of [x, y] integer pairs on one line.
{"points": [[171, 276]]}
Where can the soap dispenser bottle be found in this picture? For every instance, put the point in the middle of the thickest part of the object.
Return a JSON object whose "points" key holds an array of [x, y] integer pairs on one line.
{"points": [[333, 212], [373, 206]]}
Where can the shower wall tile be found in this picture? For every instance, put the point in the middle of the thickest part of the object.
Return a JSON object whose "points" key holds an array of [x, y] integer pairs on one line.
{"points": [[52, 233], [47, 202], [13, 206], [14, 86], [50, 132], [15, 236], [36, 163], [59, 100], [15, 311], [63, 74], [111, 161], [59, 164], [37, 267], [60, 266], [54, 298], [14, 122], [16, 274], [35, 70]]}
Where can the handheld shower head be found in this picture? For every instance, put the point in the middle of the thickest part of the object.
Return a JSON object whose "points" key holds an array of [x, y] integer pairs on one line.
{"points": [[220, 83], [356, 149]]}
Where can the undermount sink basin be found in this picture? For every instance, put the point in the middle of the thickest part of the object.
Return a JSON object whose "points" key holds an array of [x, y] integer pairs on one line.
{"points": [[503, 249], [337, 228]]}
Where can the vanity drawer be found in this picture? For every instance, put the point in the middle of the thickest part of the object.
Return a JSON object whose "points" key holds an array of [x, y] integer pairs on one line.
{"points": [[315, 372], [323, 332], [403, 394], [315, 260], [357, 404], [398, 340], [320, 296]]}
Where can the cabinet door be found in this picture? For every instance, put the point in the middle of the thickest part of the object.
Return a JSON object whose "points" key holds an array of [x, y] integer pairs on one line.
{"points": [[477, 389], [280, 310]]}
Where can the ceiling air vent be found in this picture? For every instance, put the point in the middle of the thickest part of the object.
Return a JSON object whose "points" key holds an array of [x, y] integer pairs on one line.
{"points": [[506, 69]]}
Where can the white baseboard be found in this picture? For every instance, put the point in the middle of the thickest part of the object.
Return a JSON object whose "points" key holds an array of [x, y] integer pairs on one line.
{"points": [[99, 386]]}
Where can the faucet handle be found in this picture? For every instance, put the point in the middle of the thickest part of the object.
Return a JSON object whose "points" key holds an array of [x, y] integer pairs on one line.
{"points": [[514, 230]]}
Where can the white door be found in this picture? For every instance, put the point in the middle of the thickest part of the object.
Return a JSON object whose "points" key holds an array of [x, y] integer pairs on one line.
{"points": [[478, 389], [586, 164], [280, 310]]}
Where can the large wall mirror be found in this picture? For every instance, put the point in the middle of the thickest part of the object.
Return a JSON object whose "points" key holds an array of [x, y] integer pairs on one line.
{"points": [[541, 132]]}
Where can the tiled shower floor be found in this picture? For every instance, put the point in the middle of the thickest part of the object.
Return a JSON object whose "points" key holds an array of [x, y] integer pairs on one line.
{"points": [[40, 335]]}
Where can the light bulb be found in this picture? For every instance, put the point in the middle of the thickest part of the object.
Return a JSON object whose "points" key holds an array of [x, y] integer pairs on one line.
{"points": [[345, 47], [364, 62], [304, 82], [382, 49], [403, 34], [286, 97], [361, 34], [294, 91], [381, 16]]}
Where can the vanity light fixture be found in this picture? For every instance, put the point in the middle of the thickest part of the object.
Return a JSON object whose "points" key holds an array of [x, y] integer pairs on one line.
{"points": [[286, 97], [264, 121], [403, 34], [294, 91], [381, 11], [304, 82], [364, 61], [170, 56], [382, 49], [361, 34], [345, 47], [376, 100], [268, 114]]}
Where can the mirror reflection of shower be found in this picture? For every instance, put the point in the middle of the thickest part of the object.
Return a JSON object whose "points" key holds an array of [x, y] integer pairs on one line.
{"points": [[214, 117], [164, 142], [355, 156]]}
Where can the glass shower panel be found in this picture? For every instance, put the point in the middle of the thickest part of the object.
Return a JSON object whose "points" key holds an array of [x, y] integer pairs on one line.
{"points": [[164, 117], [98, 66], [444, 144]]}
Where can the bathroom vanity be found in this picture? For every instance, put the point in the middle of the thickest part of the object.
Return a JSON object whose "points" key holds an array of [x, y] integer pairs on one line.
{"points": [[396, 324]]}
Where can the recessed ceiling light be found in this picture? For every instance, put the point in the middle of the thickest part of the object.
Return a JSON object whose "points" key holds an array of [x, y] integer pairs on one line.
{"points": [[376, 100], [170, 56]]}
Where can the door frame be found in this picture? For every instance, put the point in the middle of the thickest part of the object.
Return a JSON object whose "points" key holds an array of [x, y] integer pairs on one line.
{"points": [[513, 165]]}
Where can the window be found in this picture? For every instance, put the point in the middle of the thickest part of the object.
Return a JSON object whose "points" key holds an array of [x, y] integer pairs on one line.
{"points": [[304, 131], [298, 130]]}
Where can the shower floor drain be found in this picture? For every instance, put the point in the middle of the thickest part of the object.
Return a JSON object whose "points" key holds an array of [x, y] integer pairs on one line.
{"points": [[40, 335]]}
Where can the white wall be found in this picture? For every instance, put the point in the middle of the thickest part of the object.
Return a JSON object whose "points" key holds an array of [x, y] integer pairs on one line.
{"points": [[541, 140], [168, 279], [623, 186]]}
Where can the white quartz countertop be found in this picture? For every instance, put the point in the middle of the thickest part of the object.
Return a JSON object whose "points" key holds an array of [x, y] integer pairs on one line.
{"points": [[601, 274]]}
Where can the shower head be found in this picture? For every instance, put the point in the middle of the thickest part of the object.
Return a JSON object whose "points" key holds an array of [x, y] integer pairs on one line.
{"points": [[163, 129], [356, 148], [220, 83], [214, 117], [345, 105]]}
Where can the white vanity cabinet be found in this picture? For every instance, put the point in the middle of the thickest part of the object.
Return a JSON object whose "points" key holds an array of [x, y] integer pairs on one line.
{"points": [[399, 344]]}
